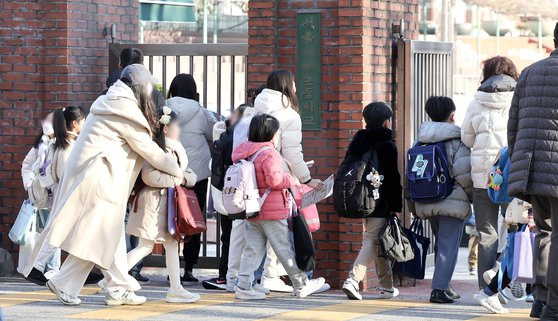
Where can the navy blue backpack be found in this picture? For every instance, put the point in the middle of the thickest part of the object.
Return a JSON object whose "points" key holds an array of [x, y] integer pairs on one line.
{"points": [[428, 175]]}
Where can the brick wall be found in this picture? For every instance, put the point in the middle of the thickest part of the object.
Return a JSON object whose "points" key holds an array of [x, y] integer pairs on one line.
{"points": [[52, 54], [356, 69]]}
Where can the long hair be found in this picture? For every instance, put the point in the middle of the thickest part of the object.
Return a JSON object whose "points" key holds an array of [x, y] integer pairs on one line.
{"points": [[145, 103], [184, 85], [62, 121], [498, 66], [159, 136], [283, 81]]}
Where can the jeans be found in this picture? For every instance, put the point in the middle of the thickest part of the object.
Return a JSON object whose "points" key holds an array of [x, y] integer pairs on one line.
{"points": [[49, 257], [545, 258], [192, 244], [257, 234], [447, 233]]}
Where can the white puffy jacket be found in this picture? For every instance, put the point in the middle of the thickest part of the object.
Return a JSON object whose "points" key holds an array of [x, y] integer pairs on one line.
{"points": [[484, 129], [273, 102]]}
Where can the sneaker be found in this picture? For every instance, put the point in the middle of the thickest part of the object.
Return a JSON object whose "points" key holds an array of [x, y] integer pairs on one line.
{"points": [[231, 286], [529, 298], [248, 294], [472, 271], [189, 279], [258, 287], [51, 273], [95, 278], [503, 299], [518, 290], [490, 274], [181, 296], [351, 289], [63, 297], [140, 278], [324, 288], [386, 293], [491, 303], [536, 309], [124, 298], [103, 286], [441, 297], [311, 287], [276, 285], [453, 294], [37, 277], [215, 284]]}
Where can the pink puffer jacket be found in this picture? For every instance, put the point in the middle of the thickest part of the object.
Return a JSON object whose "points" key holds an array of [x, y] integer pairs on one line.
{"points": [[269, 173]]}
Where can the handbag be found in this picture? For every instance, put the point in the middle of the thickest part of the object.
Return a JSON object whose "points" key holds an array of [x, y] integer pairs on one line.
{"points": [[26, 248], [394, 243], [416, 267], [23, 222], [517, 212], [189, 218], [310, 213], [523, 256], [302, 239]]}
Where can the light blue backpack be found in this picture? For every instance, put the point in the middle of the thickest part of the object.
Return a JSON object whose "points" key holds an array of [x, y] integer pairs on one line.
{"points": [[498, 179]]}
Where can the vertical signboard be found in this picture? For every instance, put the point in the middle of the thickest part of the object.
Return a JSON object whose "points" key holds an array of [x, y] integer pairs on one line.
{"points": [[309, 64]]}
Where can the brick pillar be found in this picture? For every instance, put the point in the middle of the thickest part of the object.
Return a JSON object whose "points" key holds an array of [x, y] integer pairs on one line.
{"points": [[356, 69], [52, 54]]}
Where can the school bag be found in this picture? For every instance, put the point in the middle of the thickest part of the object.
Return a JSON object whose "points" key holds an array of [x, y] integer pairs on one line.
{"points": [[40, 193], [428, 175], [357, 186], [189, 219], [241, 196], [394, 243], [497, 183]]}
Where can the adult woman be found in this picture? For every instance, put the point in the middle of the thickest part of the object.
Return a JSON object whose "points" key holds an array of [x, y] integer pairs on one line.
{"points": [[196, 135], [484, 130], [100, 172]]}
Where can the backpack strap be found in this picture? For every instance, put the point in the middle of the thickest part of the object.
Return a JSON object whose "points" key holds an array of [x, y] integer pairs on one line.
{"points": [[255, 155]]}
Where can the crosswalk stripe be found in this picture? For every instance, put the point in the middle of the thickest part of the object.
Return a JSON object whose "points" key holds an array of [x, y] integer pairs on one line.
{"points": [[347, 310], [515, 315], [17, 298]]}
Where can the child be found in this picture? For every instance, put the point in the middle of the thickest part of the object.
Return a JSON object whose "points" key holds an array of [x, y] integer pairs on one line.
{"points": [[377, 136], [447, 217], [271, 223], [148, 221]]}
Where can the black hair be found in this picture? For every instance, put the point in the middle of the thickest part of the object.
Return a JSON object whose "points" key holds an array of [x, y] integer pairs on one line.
{"points": [[439, 108], [38, 140], [129, 56], [159, 135], [376, 113], [252, 93], [283, 81], [62, 121], [556, 32], [263, 128], [240, 109], [145, 103], [184, 85]]}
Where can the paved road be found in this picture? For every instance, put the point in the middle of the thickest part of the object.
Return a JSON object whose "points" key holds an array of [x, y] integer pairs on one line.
{"points": [[22, 301]]}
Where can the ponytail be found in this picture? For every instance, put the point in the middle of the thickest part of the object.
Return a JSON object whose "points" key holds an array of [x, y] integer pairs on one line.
{"points": [[62, 120]]}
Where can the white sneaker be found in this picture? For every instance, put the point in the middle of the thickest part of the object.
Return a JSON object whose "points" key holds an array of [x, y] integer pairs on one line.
{"points": [[181, 296], [388, 293], [103, 286], [312, 286], [51, 273], [491, 303], [351, 288], [490, 274], [63, 297], [276, 285], [518, 290], [231, 286], [258, 287], [124, 298], [324, 288], [248, 294], [530, 298]]}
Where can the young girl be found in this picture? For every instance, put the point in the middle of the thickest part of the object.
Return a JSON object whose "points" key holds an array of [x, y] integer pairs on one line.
{"points": [[271, 224], [37, 153], [148, 221]]}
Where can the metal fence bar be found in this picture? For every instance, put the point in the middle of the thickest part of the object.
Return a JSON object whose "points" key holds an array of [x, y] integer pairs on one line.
{"points": [[205, 80], [232, 82], [177, 60], [219, 85], [164, 76]]}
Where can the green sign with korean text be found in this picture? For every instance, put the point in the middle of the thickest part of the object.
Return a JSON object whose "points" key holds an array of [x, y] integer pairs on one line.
{"points": [[309, 65]]}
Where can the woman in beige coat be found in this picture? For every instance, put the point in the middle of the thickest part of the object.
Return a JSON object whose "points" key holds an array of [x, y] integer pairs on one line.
{"points": [[90, 205]]}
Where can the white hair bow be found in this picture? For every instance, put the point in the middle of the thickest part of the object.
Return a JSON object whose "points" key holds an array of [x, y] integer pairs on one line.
{"points": [[165, 119]]}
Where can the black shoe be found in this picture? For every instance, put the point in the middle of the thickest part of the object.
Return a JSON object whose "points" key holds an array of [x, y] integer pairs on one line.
{"points": [[215, 284], [536, 309], [35, 276], [549, 314], [439, 296], [140, 278], [453, 294], [188, 278], [94, 278]]}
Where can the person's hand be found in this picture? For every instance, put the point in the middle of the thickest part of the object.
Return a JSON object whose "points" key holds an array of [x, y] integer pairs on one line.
{"points": [[316, 184]]}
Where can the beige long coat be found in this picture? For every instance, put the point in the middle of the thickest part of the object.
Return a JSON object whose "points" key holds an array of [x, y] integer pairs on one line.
{"points": [[106, 159], [150, 220]]}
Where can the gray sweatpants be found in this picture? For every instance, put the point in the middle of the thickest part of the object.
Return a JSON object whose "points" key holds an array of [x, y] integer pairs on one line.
{"points": [[545, 258], [447, 233]]}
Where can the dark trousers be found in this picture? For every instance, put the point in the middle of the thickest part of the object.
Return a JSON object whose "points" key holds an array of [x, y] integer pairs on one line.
{"points": [[545, 258], [226, 227], [192, 244]]}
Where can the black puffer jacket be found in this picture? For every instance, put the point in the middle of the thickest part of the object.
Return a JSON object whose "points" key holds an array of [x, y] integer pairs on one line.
{"points": [[533, 131], [381, 139], [221, 152]]}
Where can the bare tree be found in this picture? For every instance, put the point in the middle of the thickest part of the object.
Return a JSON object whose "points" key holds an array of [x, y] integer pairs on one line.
{"points": [[547, 9]]}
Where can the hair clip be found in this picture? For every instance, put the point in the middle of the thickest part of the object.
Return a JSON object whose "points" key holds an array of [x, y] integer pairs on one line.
{"points": [[165, 119]]}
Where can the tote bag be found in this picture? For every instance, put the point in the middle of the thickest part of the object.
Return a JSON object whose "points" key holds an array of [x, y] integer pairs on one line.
{"points": [[189, 218], [23, 222], [310, 213], [416, 267], [305, 255], [26, 250], [517, 212], [523, 256]]}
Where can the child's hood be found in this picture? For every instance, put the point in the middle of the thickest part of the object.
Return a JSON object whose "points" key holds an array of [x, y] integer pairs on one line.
{"points": [[248, 149], [434, 132]]}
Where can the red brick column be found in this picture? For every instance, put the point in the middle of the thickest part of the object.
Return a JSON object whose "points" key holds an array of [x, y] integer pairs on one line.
{"points": [[52, 54], [356, 69]]}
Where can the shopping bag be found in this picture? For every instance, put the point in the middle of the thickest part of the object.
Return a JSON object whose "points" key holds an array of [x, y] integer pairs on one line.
{"points": [[26, 249], [517, 212], [310, 213], [416, 267], [22, 223], [305, 255], [523, 256]]}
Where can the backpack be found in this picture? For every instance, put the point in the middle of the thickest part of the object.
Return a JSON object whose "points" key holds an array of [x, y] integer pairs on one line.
{"points": [[40, 193], [498, 178], [428, 175], [394, 243], [356, 186], [241, 196]]}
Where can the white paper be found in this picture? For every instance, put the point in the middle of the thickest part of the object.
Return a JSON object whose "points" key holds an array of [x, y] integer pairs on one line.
{"points": [[314, 196]]}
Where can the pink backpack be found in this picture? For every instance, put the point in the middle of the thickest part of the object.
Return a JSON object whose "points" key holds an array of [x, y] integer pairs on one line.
{"points": [[241, 196]]}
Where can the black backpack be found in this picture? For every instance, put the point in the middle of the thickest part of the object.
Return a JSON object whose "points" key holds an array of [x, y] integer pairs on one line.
{"points": [[354, 195]]}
